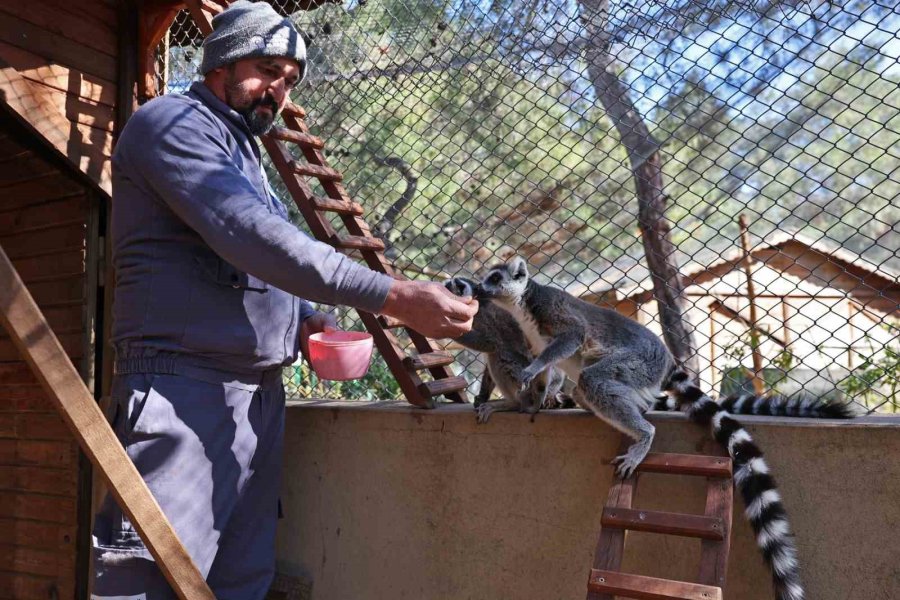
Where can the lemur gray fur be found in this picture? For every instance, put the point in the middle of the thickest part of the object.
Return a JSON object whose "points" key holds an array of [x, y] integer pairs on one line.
{"points": [[620, 367], [497, 335]]}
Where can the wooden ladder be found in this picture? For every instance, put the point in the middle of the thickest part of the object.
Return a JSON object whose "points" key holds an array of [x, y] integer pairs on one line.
{"points": [[713, 528], [405, 368]]}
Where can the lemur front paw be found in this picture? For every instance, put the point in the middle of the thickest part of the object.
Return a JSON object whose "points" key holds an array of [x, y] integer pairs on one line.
{"points": [[483, 413]]}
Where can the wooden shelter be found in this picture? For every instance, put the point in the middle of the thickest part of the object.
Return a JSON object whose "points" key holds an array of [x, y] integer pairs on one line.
{"points": [[823, 303]]}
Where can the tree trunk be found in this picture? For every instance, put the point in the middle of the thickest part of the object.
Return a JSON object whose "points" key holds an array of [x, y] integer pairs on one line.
{"points": [[387, 222], [646, 165]]}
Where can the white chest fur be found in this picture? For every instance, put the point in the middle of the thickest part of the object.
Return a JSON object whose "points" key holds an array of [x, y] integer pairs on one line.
{"points": [[528, 325], [571, 366]]}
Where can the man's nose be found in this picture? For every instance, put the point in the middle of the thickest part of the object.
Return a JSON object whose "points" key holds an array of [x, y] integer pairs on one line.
{"points": [[278, 89]]}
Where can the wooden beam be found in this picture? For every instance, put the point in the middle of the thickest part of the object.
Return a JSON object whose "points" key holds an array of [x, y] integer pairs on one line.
{"points": [[42, 351]]}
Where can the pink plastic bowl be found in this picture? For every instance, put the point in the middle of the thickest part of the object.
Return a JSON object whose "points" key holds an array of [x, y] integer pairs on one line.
{"points": [[340, 355]]}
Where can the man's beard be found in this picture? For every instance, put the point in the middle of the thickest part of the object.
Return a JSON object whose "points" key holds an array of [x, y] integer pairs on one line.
{"points": [[260, 123], [257, 123]]}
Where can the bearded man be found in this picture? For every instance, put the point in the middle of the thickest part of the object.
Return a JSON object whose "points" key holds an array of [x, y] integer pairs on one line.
{"points": [[211, 290]]}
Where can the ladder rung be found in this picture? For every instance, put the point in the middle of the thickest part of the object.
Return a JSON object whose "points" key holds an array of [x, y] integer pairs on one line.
{"points": [[649, 588], [391, 322], [294, 110], [687, 464], [428, 360], [698, 526], [213, 8], [443, 386], [327, 173], [339, 206], [298, 137], [357, 242]]}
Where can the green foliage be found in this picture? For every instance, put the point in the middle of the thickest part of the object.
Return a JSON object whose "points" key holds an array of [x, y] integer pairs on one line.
{"points": [[301, 382], [876, 381]]}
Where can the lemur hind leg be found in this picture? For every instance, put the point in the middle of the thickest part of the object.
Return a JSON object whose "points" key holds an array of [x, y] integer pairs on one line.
{"points": [[503, 372], [621, 405]]}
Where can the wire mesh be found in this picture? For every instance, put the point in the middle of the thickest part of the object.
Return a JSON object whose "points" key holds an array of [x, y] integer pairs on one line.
{"points": [[475, 131]]}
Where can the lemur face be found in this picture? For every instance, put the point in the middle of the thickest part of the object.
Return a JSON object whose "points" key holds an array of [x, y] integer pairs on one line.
{"points": [[461, 286], [507, 282]]}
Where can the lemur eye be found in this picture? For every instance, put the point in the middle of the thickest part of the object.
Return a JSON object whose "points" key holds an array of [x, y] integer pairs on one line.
{"points": [[519, 275], [495, 278]]}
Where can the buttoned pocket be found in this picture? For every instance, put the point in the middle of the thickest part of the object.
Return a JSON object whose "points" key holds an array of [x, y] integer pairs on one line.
{"points": [[225, 274]]}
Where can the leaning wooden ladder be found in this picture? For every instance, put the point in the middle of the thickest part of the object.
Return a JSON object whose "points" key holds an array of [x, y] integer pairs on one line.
{"points": [[405, 368], [713, 528]]}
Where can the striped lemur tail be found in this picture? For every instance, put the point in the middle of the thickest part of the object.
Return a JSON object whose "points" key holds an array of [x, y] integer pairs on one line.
{"points": [[763, 504]]}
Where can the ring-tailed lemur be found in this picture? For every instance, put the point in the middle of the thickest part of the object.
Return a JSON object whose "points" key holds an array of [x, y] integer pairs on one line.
{"points": [[497, 335], [620, 367]]}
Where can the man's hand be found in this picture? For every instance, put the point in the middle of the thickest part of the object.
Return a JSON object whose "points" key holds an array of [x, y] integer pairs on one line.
{"points": [[315, 323], [429, 308]]}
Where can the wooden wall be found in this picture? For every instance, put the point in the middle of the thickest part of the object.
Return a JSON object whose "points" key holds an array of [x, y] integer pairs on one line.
{"points": [[48, 218], [58, 70]]}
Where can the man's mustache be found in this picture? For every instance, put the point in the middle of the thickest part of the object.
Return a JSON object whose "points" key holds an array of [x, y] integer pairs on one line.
{"points": [[267, 101]]}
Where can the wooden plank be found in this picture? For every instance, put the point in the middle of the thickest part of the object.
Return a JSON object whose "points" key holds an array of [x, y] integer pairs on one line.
{"points": [[649, 588], [15, 374], [338, 206], [22, 167], [21, 317], [33, 426], [65, 261], [67, 289], [24, 398], [49, 509], [653, 521], [443, 386], [11, 147], [53, 186], [714, 555], [357, 242], [36, 217], [56, 48], [70, 26], [18, 586], [53, 482], [428, 360], [611, 542], [36, 561], [59, 238], [72, 345], [686, 464], [320, 172], [35, 68], [296, 137], [31, 453], [33, 534]]}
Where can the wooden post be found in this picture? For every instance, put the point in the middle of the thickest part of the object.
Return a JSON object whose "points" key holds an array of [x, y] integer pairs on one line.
{"points": [[758, 385], [31, 334]]}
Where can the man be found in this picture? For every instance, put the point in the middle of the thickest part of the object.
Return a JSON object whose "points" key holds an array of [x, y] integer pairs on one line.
{"points": [[209, 275]]}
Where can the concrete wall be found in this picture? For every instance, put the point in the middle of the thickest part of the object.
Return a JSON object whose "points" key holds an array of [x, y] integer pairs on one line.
{"points": [[385, 501]]}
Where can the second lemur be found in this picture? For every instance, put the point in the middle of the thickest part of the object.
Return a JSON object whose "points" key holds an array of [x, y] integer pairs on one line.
{"points": [[497, 335], [620, 368]]}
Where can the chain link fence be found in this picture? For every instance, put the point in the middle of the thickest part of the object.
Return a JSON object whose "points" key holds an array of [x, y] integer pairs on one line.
{"points": [[561, 131]]}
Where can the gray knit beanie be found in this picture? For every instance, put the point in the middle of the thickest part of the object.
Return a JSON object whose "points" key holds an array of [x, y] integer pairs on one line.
{"points": [[251, 30]]}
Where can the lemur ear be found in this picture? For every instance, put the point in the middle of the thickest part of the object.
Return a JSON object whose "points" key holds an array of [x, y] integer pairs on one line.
{"points": [[519, 267]]}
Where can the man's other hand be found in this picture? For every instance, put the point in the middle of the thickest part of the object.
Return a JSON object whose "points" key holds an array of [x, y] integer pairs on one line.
{"points": [[315, 323], [429, 308]]}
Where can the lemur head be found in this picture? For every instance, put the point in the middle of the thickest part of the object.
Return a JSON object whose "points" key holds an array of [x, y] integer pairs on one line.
{"points": [[462, 286], [507, 282]]}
